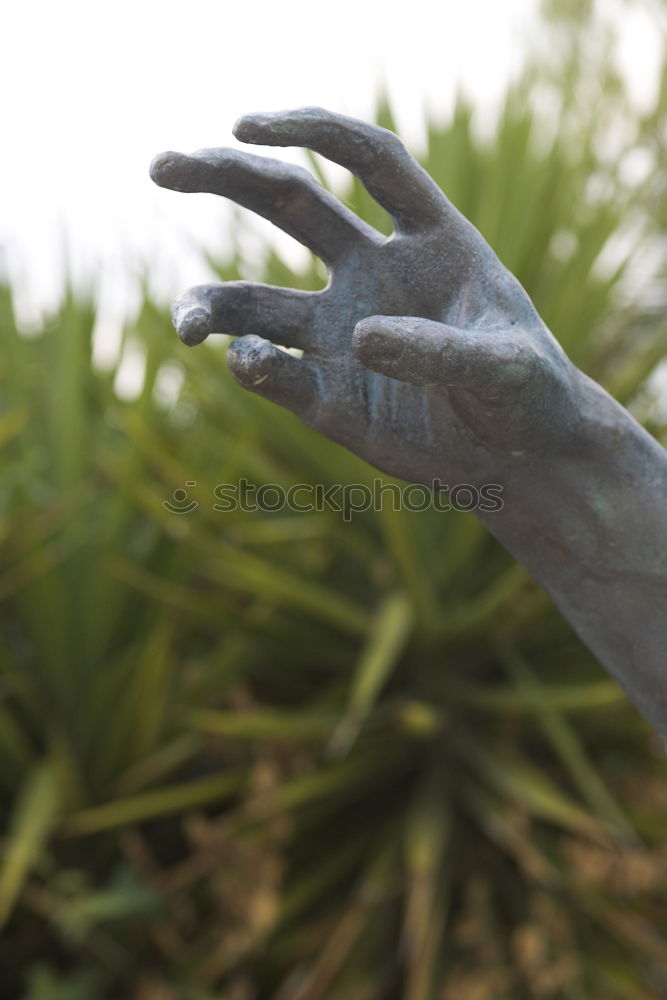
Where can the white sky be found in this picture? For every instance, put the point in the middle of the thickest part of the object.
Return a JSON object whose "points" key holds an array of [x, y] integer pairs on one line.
{"points": [[92, 91]]}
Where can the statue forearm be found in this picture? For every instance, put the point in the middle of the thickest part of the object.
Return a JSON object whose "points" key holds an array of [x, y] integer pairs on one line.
{"points": [[590, 525]]}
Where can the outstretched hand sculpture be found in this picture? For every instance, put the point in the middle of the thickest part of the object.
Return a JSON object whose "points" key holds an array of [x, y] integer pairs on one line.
{"points": [[426, 357]]}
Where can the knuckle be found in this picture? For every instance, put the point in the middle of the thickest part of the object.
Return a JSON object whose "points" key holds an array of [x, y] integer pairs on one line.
{"points": [[390, 143]]}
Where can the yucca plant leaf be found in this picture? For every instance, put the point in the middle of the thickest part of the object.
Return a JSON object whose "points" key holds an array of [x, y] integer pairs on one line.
{"points": [[151, 804], [265, 724], [529, 788], [428, 827], [32, 820], [566, 744], [386, 641]]}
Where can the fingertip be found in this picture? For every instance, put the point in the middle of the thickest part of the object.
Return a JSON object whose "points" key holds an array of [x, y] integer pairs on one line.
{"points": [[162, 164], [250, 360], [270, 128], [299, 385], [165, 169], [378, 340], [192, 325], [248, 128]]}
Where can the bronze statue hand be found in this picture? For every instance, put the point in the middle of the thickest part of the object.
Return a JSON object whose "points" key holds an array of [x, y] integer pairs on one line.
{"points": [[413, 351], [426, 357]]}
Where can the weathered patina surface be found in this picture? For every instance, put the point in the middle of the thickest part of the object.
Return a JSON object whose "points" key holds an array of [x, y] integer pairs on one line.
{"points": [[425, 356]]}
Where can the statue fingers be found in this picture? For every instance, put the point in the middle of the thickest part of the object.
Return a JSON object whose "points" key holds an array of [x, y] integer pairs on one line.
{"points": [[284, 193], [281, 315], [376, 155], [295, 383]]}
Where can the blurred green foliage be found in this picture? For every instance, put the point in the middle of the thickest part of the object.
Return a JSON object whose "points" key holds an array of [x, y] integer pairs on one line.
{"points": [[275, 755]]}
